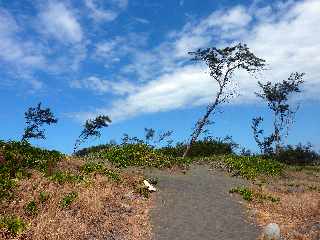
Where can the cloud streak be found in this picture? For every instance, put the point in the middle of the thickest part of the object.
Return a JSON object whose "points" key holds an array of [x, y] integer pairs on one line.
{"points": [[286, 36]]}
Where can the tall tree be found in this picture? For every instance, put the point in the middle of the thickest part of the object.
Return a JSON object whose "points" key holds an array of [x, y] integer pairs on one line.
{"points": [[222, 64], [92, 128], [35, 119], [277, 97]]}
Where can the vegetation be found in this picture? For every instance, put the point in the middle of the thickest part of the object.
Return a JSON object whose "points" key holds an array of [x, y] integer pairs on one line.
{"points": [[18, 158], [222, 65], [13, 224], [277, 97], [250, 195], [92, 128], [252, 166], [68, 199], [35, 119]]}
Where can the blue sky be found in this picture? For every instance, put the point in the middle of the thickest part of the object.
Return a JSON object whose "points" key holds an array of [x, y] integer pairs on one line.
{"points": [[128, 59]]}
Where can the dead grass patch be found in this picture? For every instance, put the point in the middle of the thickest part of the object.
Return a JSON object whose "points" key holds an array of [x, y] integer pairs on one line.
{"points": [[103, 209], [298, 211]]}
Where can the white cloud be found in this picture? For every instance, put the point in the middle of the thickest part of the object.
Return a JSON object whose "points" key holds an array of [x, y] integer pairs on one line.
{"points": [[100, 86], [59, 21], [289, 39], [109, 13]]}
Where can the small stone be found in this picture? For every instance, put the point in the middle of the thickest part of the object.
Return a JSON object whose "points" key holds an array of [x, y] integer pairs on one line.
{"points": [[271, 232]]}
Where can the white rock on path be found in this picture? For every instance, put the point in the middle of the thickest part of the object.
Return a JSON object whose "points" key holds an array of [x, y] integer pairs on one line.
{"points": [[149, 186], [271, 232]]}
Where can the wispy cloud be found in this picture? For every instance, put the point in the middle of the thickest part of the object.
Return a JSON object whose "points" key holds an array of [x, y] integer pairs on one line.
{"points": [[107, 13], [100, 86], [60, 22], [287, 36]]}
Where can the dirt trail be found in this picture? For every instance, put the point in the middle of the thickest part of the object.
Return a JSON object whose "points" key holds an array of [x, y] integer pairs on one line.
{"points": [[197, 206]]}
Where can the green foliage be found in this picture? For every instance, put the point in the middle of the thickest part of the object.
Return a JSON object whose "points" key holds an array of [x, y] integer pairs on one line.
{"points": [[298, 155], [43, 196], [35, 118], [91, 167], [92, 128], [66, 177], [13, 224], [143, 191], [201, 148], [252, 166], [17, 157], [249, 195], [112, 175], [245, 192], [94, 149], [68, 199], [31, 208], [135, 155]]}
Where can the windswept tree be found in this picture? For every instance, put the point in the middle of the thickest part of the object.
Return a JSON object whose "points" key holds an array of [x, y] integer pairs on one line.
{"points": [[92, 128], [35, 119], [276, 95], [222, 64]]}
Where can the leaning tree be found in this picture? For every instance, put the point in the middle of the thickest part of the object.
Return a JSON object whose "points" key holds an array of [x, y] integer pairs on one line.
{"points": [[35, 119], [92, 128], [276, 95], [222, 64]]}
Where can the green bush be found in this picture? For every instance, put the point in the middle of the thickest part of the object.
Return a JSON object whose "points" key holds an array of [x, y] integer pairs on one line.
{"points": [[135, 155], [13, 224], [252, 166], [31, 208], [201, 148], [245, 192], [66, 177], [94, 149], [17, 157], [91, 167], [68, 199], [249, 195], [43, 196], [298, 155]]}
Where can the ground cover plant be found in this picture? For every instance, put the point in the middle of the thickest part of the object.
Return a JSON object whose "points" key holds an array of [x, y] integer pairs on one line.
{"points": [[107, 203]]}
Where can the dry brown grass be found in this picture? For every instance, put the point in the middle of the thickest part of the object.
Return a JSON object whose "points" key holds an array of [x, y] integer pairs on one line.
{"points": [[298, 211], [103, 209]]}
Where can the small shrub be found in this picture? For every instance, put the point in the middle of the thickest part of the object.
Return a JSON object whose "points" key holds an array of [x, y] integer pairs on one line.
{"points": [[252, 166], [202, 148], [246, 193], [136, 155], [68, 199], [250, 195], [91, 167], [31, 208], [66, 177], [13, 224], [43, 197], [143, 191], [298, 155], [112, 175]]}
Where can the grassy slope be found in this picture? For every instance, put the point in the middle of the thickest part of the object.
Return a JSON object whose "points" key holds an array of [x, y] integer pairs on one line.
{"points": [[79, 201]]}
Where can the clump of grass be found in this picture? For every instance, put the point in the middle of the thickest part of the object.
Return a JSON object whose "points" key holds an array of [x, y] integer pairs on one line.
{"points": [[14, 225], [91, 167], [249, 195], [66, 177], [68, 199], [43, 197], [143, 191], [245, 192], [252, 166], [112, 175], [31, 208]]}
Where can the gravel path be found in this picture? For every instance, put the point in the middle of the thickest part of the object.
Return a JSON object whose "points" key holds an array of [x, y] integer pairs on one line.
{"points": [[197, 206]]}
